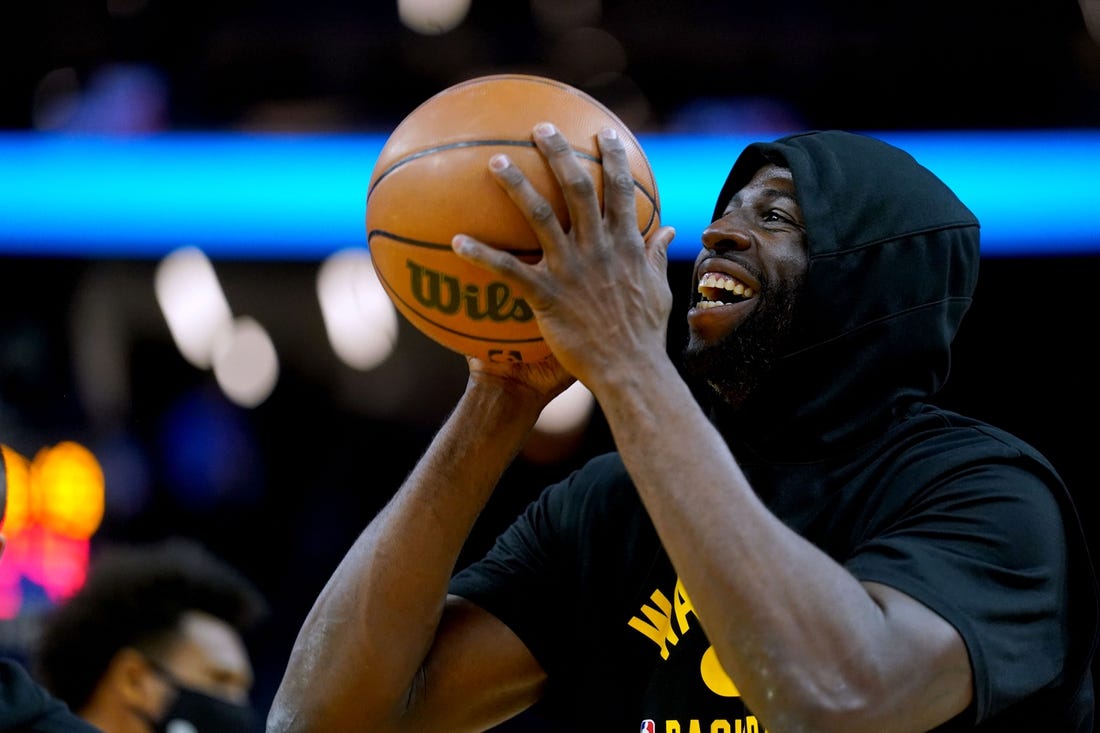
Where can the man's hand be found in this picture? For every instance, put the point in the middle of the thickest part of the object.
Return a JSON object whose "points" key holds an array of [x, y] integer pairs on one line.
{"points": [[536, 382], [600, 292]]}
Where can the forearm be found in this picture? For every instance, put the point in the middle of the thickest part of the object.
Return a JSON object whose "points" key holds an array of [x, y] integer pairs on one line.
{"points": [[363, 643], [792, 628]]}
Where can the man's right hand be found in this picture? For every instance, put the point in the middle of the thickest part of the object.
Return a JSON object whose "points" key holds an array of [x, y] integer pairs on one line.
{"points": [[534, 383]]}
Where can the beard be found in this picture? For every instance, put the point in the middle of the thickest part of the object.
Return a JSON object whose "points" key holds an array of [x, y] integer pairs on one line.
{"points": [[732, 368]]}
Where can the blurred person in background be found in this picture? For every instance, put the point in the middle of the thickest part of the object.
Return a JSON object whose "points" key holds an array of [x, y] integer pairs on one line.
{"points": [[25, 706], [155, 641]]}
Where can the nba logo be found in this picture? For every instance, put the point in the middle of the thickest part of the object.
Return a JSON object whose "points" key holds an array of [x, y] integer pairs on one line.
{"points": [[648, 726]]}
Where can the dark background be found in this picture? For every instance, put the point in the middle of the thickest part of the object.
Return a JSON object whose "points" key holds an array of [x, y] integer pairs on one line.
{"points": [[315, 461], [333, 63]]}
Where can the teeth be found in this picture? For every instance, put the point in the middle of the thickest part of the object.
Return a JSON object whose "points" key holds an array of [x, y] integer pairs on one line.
{"points": [[721, 281]]}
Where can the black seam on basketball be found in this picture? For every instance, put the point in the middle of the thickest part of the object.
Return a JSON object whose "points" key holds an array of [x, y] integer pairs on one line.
{"points": [[652, 207], [393, 294], [559, 85], [445, 148], [515, 144], [568, 89], [440, 247]]}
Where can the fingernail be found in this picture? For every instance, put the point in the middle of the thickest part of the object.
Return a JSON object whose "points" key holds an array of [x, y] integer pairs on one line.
{"points": [[499, 162], [545, 129], [609, 133], [460, 243]]}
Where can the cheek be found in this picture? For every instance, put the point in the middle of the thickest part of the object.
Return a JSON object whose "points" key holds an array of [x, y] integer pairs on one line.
{"points": [[233, 692], [792, 262]]}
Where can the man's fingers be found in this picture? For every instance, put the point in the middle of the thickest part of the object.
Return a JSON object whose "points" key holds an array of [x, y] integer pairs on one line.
{"points": [[576, 184], [618, 182], [535, 208], [492, 259]]}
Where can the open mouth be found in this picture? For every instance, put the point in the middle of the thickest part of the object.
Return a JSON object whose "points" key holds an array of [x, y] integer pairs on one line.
{"points": [[718, 288]]}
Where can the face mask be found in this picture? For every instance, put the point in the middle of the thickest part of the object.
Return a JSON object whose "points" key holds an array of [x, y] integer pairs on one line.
{"points": [[196, 712], [192, 711]]}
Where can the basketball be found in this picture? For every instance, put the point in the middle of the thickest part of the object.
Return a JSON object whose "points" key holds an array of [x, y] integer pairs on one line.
{"points": [[431, 181]]}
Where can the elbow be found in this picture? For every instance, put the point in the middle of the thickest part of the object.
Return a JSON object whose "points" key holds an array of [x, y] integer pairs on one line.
{"points": [[291, 713], [288, 717], [836, 709], [280, 720]]}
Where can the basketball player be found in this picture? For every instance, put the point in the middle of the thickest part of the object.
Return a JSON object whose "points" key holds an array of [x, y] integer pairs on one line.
{"points": [[792, 539]]}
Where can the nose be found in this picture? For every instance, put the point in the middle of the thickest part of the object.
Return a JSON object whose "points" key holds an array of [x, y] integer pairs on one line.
{"points": [[724, 235]]}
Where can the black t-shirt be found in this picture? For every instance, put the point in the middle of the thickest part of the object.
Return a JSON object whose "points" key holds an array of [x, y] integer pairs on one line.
{"points": [[25, 707], [960, 516]]}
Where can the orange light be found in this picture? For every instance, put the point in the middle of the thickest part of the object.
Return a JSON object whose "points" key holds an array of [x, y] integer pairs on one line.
{"points": [[19, 492], [55, 504], [68, 481]]}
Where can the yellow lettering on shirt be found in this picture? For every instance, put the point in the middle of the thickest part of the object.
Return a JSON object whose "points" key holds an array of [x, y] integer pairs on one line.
{"points": [[683, 605], [749, 724], [714, 675], [659, 629]]}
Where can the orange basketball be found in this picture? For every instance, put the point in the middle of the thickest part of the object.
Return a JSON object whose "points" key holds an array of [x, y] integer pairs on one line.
{"points": [[431, 181]]}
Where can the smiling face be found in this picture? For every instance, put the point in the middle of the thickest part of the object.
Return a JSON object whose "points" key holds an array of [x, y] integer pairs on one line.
{"points": [[747, 280]]}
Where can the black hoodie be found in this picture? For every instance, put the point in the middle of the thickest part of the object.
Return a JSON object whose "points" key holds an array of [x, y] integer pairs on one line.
{"points": [[842, 444], [893, 261]]}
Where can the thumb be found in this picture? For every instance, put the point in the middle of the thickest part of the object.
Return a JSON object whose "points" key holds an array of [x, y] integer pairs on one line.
{"points": [[658, 243]]}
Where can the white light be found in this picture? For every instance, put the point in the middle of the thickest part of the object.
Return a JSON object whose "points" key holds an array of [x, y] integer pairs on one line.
{"points": [[432, 17], [567, 411], [359, 317], [245, 363], [193, 303]]}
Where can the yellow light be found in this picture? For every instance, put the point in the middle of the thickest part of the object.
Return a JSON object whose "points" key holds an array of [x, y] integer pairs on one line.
{"points": [[68, 481], [19, 493]]}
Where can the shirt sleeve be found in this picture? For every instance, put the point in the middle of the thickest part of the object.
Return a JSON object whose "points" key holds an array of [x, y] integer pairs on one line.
{"points": [[521, 580], [566, 559], [985, 550]]}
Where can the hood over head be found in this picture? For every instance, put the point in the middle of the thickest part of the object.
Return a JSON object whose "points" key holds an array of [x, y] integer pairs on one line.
{"points": [[893, 262]]}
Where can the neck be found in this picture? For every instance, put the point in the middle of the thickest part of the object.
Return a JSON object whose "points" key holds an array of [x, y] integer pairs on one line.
{"points": [[117, 719]]}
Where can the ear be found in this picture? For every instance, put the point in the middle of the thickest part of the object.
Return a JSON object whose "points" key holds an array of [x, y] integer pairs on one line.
{"points": [[130, 680]]}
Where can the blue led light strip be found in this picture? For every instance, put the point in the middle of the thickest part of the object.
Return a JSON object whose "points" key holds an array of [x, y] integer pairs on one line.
{"points": [[302, 197]]}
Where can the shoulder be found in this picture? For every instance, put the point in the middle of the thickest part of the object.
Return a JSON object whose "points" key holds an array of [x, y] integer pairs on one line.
{"points": [[976, 482], [599, 488], [943, 459], [26, 706], [963, 440]]}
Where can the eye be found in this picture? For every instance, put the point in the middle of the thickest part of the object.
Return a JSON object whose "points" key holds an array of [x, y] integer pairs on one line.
{"points": [[778, 216]]}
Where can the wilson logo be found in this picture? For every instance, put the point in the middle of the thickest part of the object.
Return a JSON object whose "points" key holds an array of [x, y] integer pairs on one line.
{"points": [[447, 294]]}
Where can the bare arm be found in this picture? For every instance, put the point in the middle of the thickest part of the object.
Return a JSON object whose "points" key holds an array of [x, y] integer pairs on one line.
{"points": [[383, 648], [805, 642], [809, 647]]}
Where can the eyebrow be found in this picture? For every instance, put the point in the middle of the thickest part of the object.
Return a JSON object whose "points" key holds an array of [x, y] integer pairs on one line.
{"points": [[772, 193], [775, 193]]}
